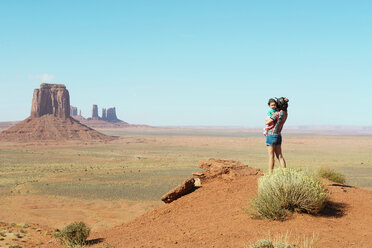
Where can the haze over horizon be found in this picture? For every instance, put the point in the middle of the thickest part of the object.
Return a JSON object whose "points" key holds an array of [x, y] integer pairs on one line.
{"points": [[178, 63]]}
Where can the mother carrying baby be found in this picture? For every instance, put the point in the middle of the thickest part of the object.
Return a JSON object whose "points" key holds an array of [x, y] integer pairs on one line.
{"points": [[275, 120]]}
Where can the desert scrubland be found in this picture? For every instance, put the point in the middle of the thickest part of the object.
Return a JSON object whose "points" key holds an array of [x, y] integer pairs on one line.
{"points": [[107, 184]]}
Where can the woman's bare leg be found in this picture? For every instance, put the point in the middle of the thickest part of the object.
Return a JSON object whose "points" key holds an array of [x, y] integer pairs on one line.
{"points": [[279, 155], [270, 150]]}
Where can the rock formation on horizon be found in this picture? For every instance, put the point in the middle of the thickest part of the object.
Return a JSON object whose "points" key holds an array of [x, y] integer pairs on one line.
{"points": [[108, 115], [111, 115], [95, 112], [51, 99], [104, 114], [73, 111], [50, 119]]}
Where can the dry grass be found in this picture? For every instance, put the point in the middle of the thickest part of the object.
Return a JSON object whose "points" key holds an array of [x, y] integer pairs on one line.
{"points": [[285, 241], [74, 235], [164, 156], [332, 175], [140, 167], [289, 190]]}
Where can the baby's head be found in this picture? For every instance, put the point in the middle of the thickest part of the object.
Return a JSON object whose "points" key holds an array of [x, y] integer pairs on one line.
{"points": [[272, 103]]}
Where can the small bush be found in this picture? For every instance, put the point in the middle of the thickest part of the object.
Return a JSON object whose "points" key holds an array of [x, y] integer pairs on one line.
{"points": [[75, 234], [331, 175], [282, 241], [262, 243], [289, 189], [57, 234]]}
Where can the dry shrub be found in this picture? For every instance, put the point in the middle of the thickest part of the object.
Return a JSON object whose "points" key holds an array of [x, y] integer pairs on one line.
{"points": [[283, 241], [75, 234], [289, 189], [331, 175]]}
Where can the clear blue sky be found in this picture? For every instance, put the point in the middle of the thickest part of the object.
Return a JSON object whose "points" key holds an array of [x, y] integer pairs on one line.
{"points": [[194, 62]]}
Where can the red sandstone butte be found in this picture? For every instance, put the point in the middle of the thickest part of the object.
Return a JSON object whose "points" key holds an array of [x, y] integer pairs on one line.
{"points": [[50, 120], [51, 99]]}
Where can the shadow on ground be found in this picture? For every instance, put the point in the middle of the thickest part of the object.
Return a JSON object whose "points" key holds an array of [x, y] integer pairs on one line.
{"points": [[95, 241], [333, 209]]}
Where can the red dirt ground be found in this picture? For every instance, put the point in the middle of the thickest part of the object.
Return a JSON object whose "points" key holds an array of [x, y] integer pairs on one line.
{"points": [[214, 216]]}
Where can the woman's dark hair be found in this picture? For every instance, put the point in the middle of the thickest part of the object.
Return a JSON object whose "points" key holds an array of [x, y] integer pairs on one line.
{"points": [[282, 103], [272, 100]]}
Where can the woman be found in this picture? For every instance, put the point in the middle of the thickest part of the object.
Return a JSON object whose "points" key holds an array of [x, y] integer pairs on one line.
{"points": [[274, 137]]}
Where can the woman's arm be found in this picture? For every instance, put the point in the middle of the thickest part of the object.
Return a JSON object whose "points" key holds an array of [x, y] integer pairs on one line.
{"points": [[269, 121], [273, 118]]}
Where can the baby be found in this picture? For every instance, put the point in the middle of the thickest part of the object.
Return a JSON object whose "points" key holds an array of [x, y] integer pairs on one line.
{"points": [[273, 108]]}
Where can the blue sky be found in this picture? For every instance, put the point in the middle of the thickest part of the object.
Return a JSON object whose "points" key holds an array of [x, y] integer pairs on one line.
{"points": [[195, 62]]}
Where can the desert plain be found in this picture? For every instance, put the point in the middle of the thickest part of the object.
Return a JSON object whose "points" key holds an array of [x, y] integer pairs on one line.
{"points": [[106, 184]]}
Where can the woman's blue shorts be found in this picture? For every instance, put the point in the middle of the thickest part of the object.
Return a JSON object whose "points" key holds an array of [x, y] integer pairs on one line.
{"points": [[273, 140]]}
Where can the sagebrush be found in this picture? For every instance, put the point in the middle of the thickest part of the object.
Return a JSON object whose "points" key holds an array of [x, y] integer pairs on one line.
{"points": [[75, 234], [284, 241], [331, 175], [289, 189]]}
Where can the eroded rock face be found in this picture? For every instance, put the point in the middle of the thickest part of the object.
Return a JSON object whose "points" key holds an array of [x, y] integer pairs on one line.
{"points": [[184, 188], [214, 169], [51, 99], [111, 115], [225, 169]]}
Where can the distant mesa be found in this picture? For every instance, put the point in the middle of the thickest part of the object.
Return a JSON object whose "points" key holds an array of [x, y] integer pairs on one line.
{"points": [[74, 111], [108, 119], [50, 119], [108, 115], [111, 115]]}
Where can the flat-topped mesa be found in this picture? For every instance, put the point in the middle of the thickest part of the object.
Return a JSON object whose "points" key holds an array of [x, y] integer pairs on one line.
{"points": [[52, 99], [50, 120]]}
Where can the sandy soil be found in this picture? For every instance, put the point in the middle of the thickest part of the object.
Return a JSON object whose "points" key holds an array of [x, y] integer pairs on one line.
{"points": [[214, 216], [24, 235], [57, 212]]}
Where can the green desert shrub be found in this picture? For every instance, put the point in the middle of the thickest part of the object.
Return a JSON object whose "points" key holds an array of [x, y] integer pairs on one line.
{"points": [[332, 175], [75, 234], [289, 190], [283, 241], [262, 243]]}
